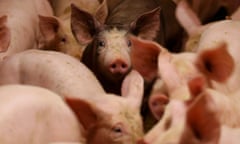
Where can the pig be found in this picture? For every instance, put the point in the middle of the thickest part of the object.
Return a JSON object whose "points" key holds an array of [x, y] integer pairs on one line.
{"points": [[217, 56], [193, 19], [107, 118], [20, 35], [191, 121], [193, 23], [35, 115], [109, 47], [157, 58], [56, 30], [171, 70]]}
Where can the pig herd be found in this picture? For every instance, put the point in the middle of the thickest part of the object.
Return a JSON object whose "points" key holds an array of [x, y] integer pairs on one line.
{"points": [[119, 71]]}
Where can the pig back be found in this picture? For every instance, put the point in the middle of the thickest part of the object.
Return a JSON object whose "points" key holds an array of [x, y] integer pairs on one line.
{"points": [[53, 70], [35, 115]]}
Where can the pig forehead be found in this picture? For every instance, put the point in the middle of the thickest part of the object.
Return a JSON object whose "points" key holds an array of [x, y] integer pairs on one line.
{"points": [[114, 35], [113, 104]]}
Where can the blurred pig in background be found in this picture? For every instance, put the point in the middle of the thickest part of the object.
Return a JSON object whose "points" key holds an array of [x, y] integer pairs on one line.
{"points": [[56, 29], [19, 25]]}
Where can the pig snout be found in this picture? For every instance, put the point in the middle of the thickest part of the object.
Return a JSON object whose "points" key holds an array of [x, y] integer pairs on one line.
{"points": [[119, 67], [142, 141]]}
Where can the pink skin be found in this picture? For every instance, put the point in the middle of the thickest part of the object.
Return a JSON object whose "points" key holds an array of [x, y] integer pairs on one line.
{"points": [[185, 121], [217, 50], [173, 69], [16, 35], [56, 31], [109, 47], [190, 16], [72, 80], [35, 115]]}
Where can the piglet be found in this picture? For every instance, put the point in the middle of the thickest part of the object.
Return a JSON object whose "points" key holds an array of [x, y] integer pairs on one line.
{"points": [[106, 118], [108, 46]]}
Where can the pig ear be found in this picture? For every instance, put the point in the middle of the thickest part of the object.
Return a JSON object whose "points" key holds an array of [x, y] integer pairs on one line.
{"points": [[202, 119], [4, 34], [197, 86], [187, 17], [157, 104], [216, 63], [168, 72], [132, 89], [102, 12], [84, 111], [144, 57], [147, 25], [48, 27], [84, 26]]}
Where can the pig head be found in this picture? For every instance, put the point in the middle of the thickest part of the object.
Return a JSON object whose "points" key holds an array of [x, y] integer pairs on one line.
{"points": [[57, 36], [56, 31], [218, 56], [109, 47]]}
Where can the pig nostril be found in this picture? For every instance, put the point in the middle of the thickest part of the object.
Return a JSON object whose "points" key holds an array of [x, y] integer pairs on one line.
{"points": [[118, 66], [113, 66], [124, 65]]}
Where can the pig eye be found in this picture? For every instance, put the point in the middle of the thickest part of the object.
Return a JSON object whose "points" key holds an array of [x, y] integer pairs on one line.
{"points": [[117, 131], [63, 40], [101, 44], [129, 43]]}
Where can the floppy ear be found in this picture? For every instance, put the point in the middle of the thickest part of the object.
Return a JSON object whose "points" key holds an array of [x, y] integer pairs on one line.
{"points": [[49, 27], [144, 57], [102, 12], [147, 25], [85, 112], [132, 89], [216, 63], [5, 37], [84, 26], [202, 119]]}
